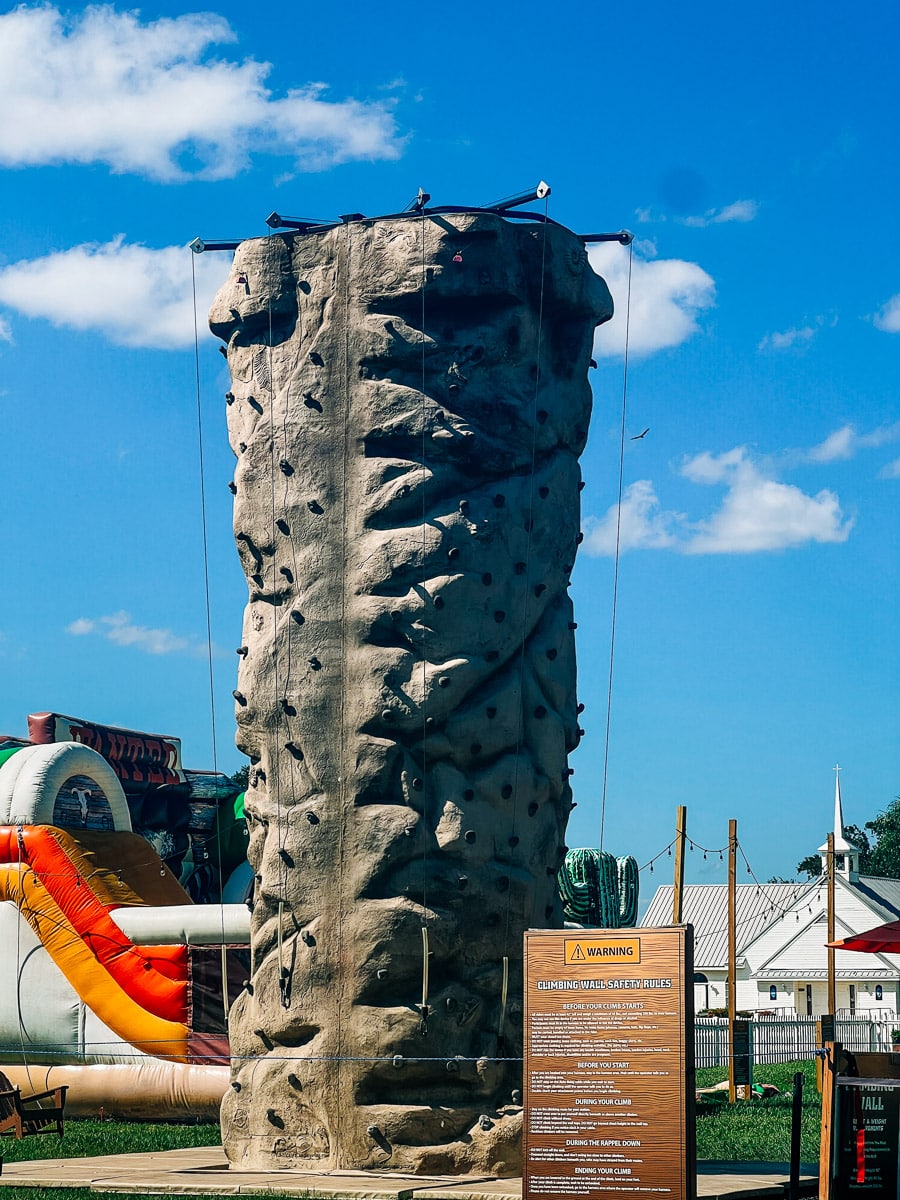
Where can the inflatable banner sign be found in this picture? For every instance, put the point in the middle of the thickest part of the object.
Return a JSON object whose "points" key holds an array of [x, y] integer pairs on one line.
{"points": [[141, 760]]}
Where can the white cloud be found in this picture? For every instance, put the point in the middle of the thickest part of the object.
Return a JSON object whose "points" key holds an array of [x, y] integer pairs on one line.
{"points": [[757, 513], [799, 336], [891, 470], [145, 98], [740, 210], [5, 331], [888, 316], [121, 630], [846, 442], [642, 525], [666, 297], [132, 294]]}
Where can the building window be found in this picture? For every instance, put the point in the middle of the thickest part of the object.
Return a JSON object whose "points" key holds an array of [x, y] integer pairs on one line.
{"points": [[809, 1010], [773, 992], [879, 992], [852, 999]]}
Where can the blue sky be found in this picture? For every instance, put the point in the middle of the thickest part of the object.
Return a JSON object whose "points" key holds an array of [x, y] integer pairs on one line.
{"points": [[753, 154]]}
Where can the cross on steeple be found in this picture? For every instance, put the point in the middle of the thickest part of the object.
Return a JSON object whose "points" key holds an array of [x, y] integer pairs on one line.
{"points": [[846, 855]]}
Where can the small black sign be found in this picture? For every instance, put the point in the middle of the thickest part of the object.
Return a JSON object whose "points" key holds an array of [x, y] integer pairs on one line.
{"points": [[740, 1049], [868, 1136]]}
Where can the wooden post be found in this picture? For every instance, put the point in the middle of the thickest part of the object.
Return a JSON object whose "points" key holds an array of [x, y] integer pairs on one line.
{"points": [[826, 1142], [832, 999], [732, 953], [678, 891]]}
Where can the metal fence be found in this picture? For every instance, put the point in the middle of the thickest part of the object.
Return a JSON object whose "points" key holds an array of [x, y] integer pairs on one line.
{"points": [[791, 1039]]}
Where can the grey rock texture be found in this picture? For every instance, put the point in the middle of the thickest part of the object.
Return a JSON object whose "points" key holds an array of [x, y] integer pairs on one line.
{"points": [[409, 399]]}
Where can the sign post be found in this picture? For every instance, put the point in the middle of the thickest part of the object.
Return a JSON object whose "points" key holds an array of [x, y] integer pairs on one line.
{"points": [[609, 1063]]}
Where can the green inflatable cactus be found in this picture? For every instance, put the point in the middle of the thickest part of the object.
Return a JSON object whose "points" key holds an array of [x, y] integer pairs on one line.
{"points": [[599, 889]]}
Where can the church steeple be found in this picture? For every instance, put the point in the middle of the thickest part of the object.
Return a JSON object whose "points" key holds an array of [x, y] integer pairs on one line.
{"points": [[846, 856]]}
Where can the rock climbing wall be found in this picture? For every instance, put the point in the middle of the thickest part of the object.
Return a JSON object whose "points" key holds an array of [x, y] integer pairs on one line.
{"points": [[409, 399]]}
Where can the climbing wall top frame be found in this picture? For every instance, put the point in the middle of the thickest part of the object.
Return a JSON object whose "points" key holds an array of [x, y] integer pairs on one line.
{"points": [[408, 402]]}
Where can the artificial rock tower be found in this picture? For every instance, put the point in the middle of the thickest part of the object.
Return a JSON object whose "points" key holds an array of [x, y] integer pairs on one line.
{"points": [[409, 399]]}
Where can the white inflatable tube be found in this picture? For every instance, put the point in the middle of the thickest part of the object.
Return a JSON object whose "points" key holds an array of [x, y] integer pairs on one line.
{"points": [[185, 924], [45, 770]]}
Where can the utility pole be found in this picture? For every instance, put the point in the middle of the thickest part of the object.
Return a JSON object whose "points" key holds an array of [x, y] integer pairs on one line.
{"points": [[832, 1000], [732, 952], [678, 891]]}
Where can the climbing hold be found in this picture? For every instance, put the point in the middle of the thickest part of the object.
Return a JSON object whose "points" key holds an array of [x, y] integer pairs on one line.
{"points": [[499, 616], [457, 257], [519, 568], [499, 500], [506, 791], [307, 938], [492, 656], [294, 1081], [314, 663], [573, 624], [387, 714], [540, 712], [440, 416], [312, 818], [453, 553], [542, 416], [543, 492], [282, 524], [540, 589], [491, 713], [579, 539], [293, 750], [513, 841], [314, 506], [285, 467], [243, 651], [469, 794], [475, 748], [285, 857], [417, 785], [397, 1061], [381, 973], [229, 397], [485, 1121], [470, 836], [311, 402], [232, 487], [515, 1096], [451, 1064], [316, 358], [463, 506], [463, 881], [532, 808], [444, 681], [264, 1038], [240, 697], [487, 579], [503, 883], [581, 486], [287, 573], [297, 616], [242, 446], [257, 579], [439, 602], [580, 708], [373, 1131], [235, 1085], [274, 1118], [429, 723], [254, 404]]}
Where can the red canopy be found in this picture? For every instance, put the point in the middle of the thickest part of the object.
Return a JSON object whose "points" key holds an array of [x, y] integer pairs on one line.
{"points": [[883, 938]]}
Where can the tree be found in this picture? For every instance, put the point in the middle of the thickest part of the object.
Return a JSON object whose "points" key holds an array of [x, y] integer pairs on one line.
{"points": [[241, 777]]}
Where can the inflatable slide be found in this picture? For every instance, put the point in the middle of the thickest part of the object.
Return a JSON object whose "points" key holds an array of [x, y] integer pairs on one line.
{"points": [[115, 982]]}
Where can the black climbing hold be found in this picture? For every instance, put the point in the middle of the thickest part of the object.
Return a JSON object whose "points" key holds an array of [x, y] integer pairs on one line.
{"points": [[274, 1118], [528, 525], [475, 748], [396, 615], [580, 731], [314, 663], [229, 397], [282, 524], [440, 416], [429, 723], [450, 1002], [487, 579], [316, 358], [312, 818], [264, 1038], [470, 835], [548, 911], [499, 500], [580, 708], [540, 712], [519, 568], [257, 579], [222, 351], [285, 467], [298, 617], [515, 1095], [499, 616], [506, 791], [314, 507], [294, 1082], [287, 573], [294, 751], [463, 881], [485, 1121], [307, 938], [242, 446], [311, 402], [417, 785], [387, 714], [235, 1085], [540, 589], [463, 506], [287, 707], [542, 416], [444, 681], [580, 434], [239, 696], [532, 808], [397, 1061], [579, 539], [285, 857], [247, 986], [254, 404], [492, 656], [491, 713], [242, 651], [453, 553], [451, 1064], [381, 973], [581, 486], [543, 492], [573, 624], [373, 1131], [513, 841], [551, 870], [503, 883], [439, 602], [469, 794], [232, 487]]}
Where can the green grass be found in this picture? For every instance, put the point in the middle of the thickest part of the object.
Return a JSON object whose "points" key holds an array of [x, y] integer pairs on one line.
{"points": [[760, 1130]]}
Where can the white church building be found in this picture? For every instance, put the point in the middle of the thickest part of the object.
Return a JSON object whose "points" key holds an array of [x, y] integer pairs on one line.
{"points": [[782, 959]]}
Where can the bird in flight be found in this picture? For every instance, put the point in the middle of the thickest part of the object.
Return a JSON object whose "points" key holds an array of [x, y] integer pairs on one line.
{"points": [[637, 437]]}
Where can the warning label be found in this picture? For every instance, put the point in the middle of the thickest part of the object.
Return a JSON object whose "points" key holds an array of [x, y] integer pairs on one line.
{"points": [[584, 950]]}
